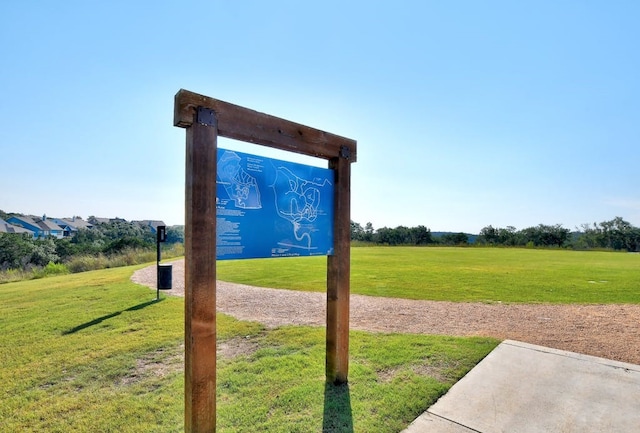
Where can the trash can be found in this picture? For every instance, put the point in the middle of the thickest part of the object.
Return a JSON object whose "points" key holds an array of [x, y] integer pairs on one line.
{"points": [[165, 276]]}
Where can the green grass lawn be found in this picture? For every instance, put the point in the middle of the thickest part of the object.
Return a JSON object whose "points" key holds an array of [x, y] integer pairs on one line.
{"points": [[93, 352], [514, 275]]}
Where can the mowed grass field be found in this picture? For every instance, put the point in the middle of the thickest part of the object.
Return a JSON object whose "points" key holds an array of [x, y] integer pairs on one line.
{"points": [[510, 275], [94, 352]]}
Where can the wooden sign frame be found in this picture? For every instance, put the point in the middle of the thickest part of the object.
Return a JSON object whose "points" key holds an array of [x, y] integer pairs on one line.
{"points": [[205, 119]]}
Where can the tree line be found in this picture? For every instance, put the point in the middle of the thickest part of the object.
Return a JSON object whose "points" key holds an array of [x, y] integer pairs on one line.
{"points": [[616, 234], [108, 239], [402, 235], [118, 237]]}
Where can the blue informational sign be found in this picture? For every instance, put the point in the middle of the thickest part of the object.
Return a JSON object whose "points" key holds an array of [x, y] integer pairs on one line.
{"points": [[271, 208]]}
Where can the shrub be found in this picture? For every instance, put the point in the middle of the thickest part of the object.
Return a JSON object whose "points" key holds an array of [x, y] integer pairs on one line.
{"points": [[50, 270], [90, 262], [87, 263], [173, 250], [11, 275], [130, 256]]}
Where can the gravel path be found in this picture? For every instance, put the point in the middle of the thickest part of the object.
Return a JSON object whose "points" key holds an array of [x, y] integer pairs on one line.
{"points": [[608, 331]]}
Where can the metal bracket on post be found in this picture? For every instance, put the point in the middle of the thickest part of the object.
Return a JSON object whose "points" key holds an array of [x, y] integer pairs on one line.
{"points": [[206, 116], [345, 152]]}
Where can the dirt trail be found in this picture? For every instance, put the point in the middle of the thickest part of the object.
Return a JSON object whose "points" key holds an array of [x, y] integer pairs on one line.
{"points": [[608, 331]]}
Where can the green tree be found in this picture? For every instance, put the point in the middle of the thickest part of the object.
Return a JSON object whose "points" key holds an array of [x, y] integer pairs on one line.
{"points": [[368, 232], [616, 234], [44, 252], [125, 243], [65, 248], [499, 236], [454, 239], [357, 232], [384, 236], [420, 235], [509, 236], [15, 250], [545, 236], [89, 241], [175, 234], [488, 236], [114, 236]]}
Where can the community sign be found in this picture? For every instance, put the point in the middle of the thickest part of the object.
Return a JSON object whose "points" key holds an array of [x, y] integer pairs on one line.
{"points": [[271, 208]]}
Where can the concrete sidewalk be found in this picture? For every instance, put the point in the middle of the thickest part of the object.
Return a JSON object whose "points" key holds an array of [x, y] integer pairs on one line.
{"points": [[520, 388]]}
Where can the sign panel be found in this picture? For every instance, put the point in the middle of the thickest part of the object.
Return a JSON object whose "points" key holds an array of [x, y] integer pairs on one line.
{"points": [[271, 208]]}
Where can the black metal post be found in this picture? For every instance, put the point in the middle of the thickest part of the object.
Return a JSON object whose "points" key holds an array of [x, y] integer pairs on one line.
{"points": [[161, 235]]}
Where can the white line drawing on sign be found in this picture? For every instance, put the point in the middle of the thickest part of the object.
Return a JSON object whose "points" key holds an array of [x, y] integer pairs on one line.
{"points": [[298, 201], [241, 187]]}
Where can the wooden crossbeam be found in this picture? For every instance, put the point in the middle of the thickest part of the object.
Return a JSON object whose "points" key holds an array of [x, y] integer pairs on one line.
{"points": [[243, 124]]}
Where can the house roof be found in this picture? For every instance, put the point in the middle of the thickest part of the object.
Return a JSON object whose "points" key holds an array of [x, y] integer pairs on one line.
{"points": [[102, 220], [48, 224], [75, 223], [25, 221], [6, 227], [79, 222], [150, 223], [37, 222]]}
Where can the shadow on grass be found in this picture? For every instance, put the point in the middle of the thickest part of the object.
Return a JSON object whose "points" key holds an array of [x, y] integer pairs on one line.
{"points": [[337, 417], [109, 316]]}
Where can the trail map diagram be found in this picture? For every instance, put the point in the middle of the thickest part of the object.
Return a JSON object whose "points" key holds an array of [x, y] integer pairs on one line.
{"points": [[271, 208], [241, 187], [298, 201]]}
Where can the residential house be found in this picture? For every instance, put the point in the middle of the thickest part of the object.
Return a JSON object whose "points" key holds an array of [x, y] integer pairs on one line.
{"points": [[95, 220], [6, 227], [41, 227], [152, 224], [70, 226]]}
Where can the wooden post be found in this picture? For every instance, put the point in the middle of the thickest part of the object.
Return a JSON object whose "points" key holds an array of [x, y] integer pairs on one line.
{"points": [[338, 276], [200, 278]]}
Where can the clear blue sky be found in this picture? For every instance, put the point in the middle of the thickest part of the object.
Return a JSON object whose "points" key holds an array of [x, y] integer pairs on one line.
{"points": [[466, 113]]}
